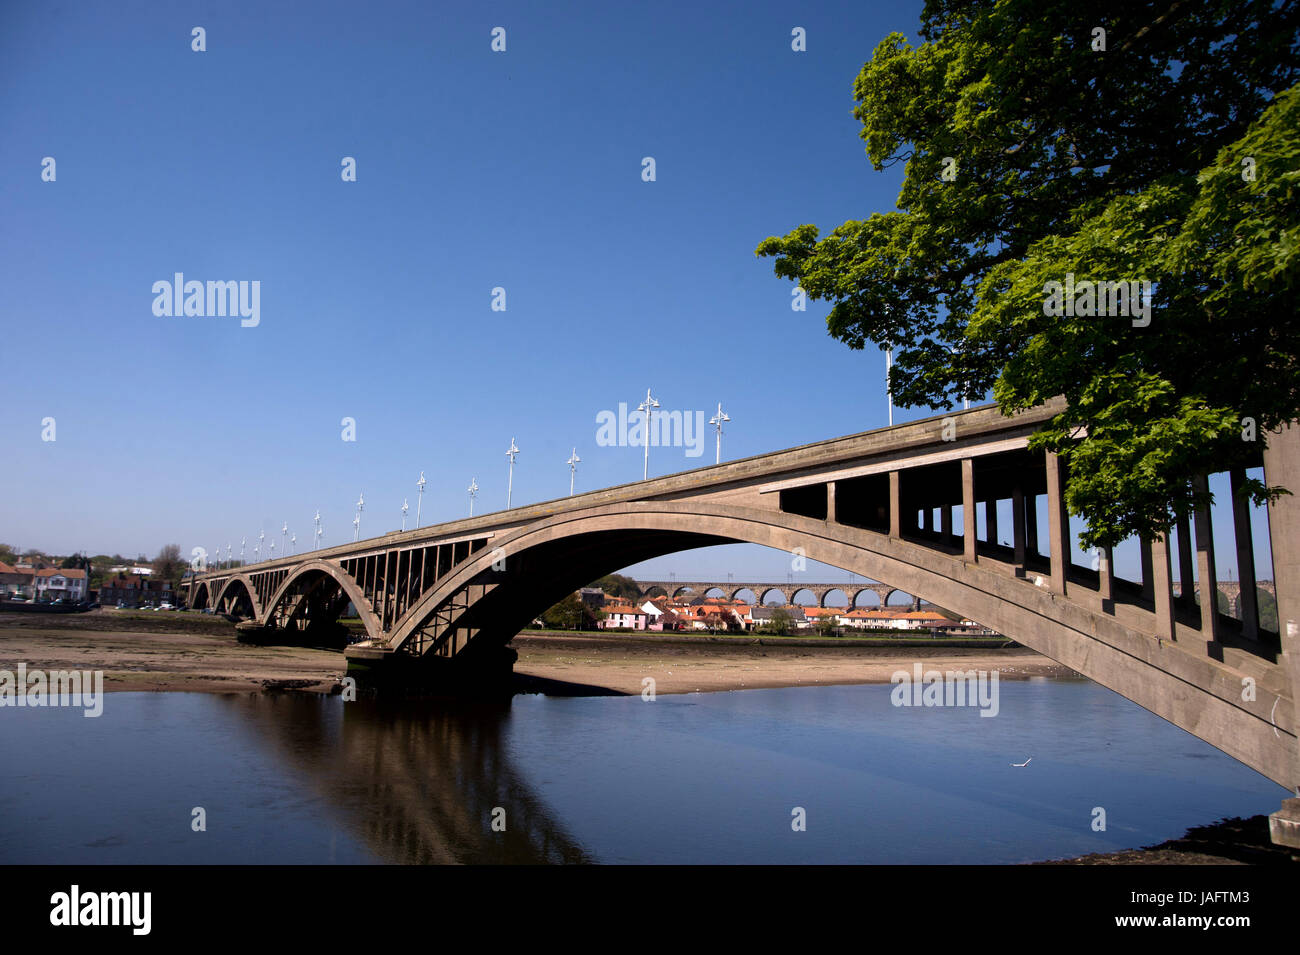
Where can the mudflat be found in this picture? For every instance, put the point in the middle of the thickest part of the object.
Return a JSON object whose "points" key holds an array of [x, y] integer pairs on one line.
{"points": [[173, 651]]}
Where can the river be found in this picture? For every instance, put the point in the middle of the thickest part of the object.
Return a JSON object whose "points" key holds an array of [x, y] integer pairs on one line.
{"points": [[698, 778]]}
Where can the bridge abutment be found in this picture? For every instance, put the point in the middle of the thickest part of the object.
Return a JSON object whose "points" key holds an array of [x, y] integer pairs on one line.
{"points": [[482, 672]]}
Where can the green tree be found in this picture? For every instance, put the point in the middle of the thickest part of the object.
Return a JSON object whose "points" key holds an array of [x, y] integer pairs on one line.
{"points": [[780, 623], [168, 564], [617, 585], [572, 614], [1032, 154], [1267, 605]]}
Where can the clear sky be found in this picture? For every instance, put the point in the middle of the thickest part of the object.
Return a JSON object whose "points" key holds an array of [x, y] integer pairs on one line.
{"points": [[475, 170]]}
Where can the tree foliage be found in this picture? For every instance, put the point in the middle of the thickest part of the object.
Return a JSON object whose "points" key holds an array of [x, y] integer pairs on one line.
{"points": [[168, 564], [1031, 154]]}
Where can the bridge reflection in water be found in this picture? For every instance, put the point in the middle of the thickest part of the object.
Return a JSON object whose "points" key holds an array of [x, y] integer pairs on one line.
{"points": [[417, 782]]}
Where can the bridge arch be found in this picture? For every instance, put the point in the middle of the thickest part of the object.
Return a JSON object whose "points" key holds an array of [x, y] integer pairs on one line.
{"points": [[752, 599], [557, 554], [836, 590], [809, 601], [872, 601], [238, 591], [199, 598], [762, 598], [325, 569]]}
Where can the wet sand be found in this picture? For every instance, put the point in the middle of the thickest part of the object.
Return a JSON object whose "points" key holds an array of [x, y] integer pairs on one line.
{"points": [[193, 653]]}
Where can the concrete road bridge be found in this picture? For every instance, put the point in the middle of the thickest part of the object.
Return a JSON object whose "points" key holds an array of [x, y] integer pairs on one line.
{"points": [[901, 504]]}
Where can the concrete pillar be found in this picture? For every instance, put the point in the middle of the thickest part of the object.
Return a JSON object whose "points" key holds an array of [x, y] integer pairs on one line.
{"points": [[1031, 524], [1282, 469], [1058, 523], [1162, 587], [1209, 579], [895, 505], [1144, 552], [1105, 581], [991, 520], [968, 508], [830, 501], [1245, 556], [1018, 528], [1186, 583]]}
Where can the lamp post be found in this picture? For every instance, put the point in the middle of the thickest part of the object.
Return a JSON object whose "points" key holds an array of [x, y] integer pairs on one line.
{"points": [[419, 501], [316, 521], [510, 453], [473, 490], [405, 508], [716, 421], [648, 407], [573, 463], [356, 521], [261, 537], [889, 387], [284, 537], [293, 542], [242, 544]]}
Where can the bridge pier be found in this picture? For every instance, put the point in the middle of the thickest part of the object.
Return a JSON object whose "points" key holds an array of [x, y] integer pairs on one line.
{"points": [[478, 671]]}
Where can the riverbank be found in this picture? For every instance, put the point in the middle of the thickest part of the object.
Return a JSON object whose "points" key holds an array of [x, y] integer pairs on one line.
{"points": [[200, 654]]}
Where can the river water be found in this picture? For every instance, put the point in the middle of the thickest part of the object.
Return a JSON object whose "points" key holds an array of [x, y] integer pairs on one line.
{"points": [[700, 778]]}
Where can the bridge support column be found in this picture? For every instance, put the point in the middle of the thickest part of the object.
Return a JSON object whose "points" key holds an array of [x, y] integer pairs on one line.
{"points": [[1144, 553], [945, 523], [895, 505], [1030, 511], [991, 521], [1105, 582], [1058, 523], [1185, 581], [1018, 528], [830, 501], [1282, 469], [968, 509], [1209, 579], [1162, 588], [1245, 556], [484, 671]]}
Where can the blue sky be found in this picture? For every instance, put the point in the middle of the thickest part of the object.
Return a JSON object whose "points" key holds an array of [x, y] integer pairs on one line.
{"points": [[475, 170]]}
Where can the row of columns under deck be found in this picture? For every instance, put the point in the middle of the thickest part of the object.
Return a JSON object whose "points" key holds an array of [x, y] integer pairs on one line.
{"points": [[1157, 580]]}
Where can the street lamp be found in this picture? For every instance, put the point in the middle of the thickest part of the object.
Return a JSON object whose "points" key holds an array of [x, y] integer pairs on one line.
{"points": [[419, 502], [293, 541], [316, 521], [510, 453], [405, 508], [473, 490], [356, 521], [261, 536], [573, 463], [284, 537], [242, 544], [889, 387], [647, 407], [716, 421]]}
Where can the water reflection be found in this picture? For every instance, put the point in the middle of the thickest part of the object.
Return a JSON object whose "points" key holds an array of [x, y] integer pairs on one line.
{"points": [[416, 781]]}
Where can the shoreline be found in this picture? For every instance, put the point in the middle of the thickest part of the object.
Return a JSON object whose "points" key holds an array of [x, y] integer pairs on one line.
{"points": [[191, 654]]}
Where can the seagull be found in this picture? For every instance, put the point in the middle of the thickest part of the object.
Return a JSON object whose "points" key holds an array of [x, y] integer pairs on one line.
{"points": [[1025, 763]]}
